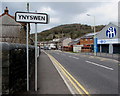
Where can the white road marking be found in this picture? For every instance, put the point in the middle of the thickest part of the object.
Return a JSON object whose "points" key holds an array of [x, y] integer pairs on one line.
{"points": [[63, 54], [70, 56], [73, 57], [99, 65]]}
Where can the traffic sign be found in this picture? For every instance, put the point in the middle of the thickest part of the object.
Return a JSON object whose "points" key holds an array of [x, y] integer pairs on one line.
{"points": [[30, 17]]}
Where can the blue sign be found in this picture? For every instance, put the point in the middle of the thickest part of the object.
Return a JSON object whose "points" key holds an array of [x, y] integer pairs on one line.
{"points": [[95, 45], [102, 41], [111, 32]]}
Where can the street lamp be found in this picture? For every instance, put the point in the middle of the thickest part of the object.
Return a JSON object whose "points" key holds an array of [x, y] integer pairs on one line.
{"points": [[95, 39]]}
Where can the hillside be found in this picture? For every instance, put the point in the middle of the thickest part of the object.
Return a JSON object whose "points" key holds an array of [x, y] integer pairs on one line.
{"points": [[68, 30]]}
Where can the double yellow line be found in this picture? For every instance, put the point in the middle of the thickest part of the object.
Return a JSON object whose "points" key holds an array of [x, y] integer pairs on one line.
{"points": [[80, 89]]}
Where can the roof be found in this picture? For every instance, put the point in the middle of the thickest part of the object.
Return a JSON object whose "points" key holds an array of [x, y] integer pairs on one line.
{"points": [[5, 21], [90, 35], [74, 41], [6, 12], [61, 39], [115, 23]]}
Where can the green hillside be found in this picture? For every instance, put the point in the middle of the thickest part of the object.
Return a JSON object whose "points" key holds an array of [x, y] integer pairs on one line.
{"points": [[68, 30]]}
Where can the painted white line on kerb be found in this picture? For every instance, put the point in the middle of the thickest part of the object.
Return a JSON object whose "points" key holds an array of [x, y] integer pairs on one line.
{"points": [[99, 65]]}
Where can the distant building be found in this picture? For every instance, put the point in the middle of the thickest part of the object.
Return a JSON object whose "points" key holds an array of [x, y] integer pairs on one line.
{"points": [[12, 31], [109, 38], [84, 43], [87, 42], [75, 45], [63, 43]]}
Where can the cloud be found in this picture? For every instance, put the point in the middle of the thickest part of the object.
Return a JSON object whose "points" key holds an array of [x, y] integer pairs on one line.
{"points": [[47, 10], [104, 14], [69, 12], [54, 20], [58, 0]]}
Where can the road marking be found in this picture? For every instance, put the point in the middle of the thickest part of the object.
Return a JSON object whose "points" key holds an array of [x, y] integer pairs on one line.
{"points": [[73, 81], [69, 76], [103, 59], [57, 53], [63, 78], [57, 63], [63, 54], [91, 57], [73, 57], [99, 65]]}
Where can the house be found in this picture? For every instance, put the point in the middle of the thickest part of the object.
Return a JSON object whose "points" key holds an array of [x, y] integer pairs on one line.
{"points": [[108, 38], [87, 42], [12, 31], [63, 44], [75, 45]]}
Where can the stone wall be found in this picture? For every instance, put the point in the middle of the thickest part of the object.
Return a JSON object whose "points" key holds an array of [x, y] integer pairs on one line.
{"points": [[14, 67]]}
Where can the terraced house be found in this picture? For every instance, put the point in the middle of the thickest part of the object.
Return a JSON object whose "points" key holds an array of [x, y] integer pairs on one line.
{"points": [[12, 31]]}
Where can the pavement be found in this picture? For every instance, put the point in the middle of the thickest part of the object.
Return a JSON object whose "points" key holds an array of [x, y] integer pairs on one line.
{"points": [[49, 80], [97, 75]]}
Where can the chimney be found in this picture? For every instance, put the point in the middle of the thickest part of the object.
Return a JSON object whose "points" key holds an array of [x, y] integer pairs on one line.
{"points": [[6, 10]]}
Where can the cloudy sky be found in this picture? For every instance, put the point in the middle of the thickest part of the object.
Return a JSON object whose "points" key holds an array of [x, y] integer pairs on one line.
{"points": [[68, 12]]}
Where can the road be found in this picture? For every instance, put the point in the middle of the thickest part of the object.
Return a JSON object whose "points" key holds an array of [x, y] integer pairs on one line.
{"points": [[97, 75]]}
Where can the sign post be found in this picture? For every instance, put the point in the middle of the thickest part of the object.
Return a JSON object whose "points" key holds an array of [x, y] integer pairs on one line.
{"points": [[28, 17], [36, 56], [27, 52]]}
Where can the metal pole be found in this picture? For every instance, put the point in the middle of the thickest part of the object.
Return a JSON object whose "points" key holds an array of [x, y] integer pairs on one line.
{"points": [[36, 56], [62, 39], [27, 53], [94, 38]]}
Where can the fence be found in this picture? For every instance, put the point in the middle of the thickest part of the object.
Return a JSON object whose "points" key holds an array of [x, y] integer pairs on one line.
{"points": [[14, 67]]}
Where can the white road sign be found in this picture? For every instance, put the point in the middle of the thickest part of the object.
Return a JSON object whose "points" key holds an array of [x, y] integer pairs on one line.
{"points": [[29, 17]]}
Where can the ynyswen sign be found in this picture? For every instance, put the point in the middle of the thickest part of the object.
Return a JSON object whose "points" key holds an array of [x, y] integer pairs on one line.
{"points": [[29, 17]]}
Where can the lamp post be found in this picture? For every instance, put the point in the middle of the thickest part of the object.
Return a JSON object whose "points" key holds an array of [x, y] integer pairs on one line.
{"points": [[95, 39]]}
